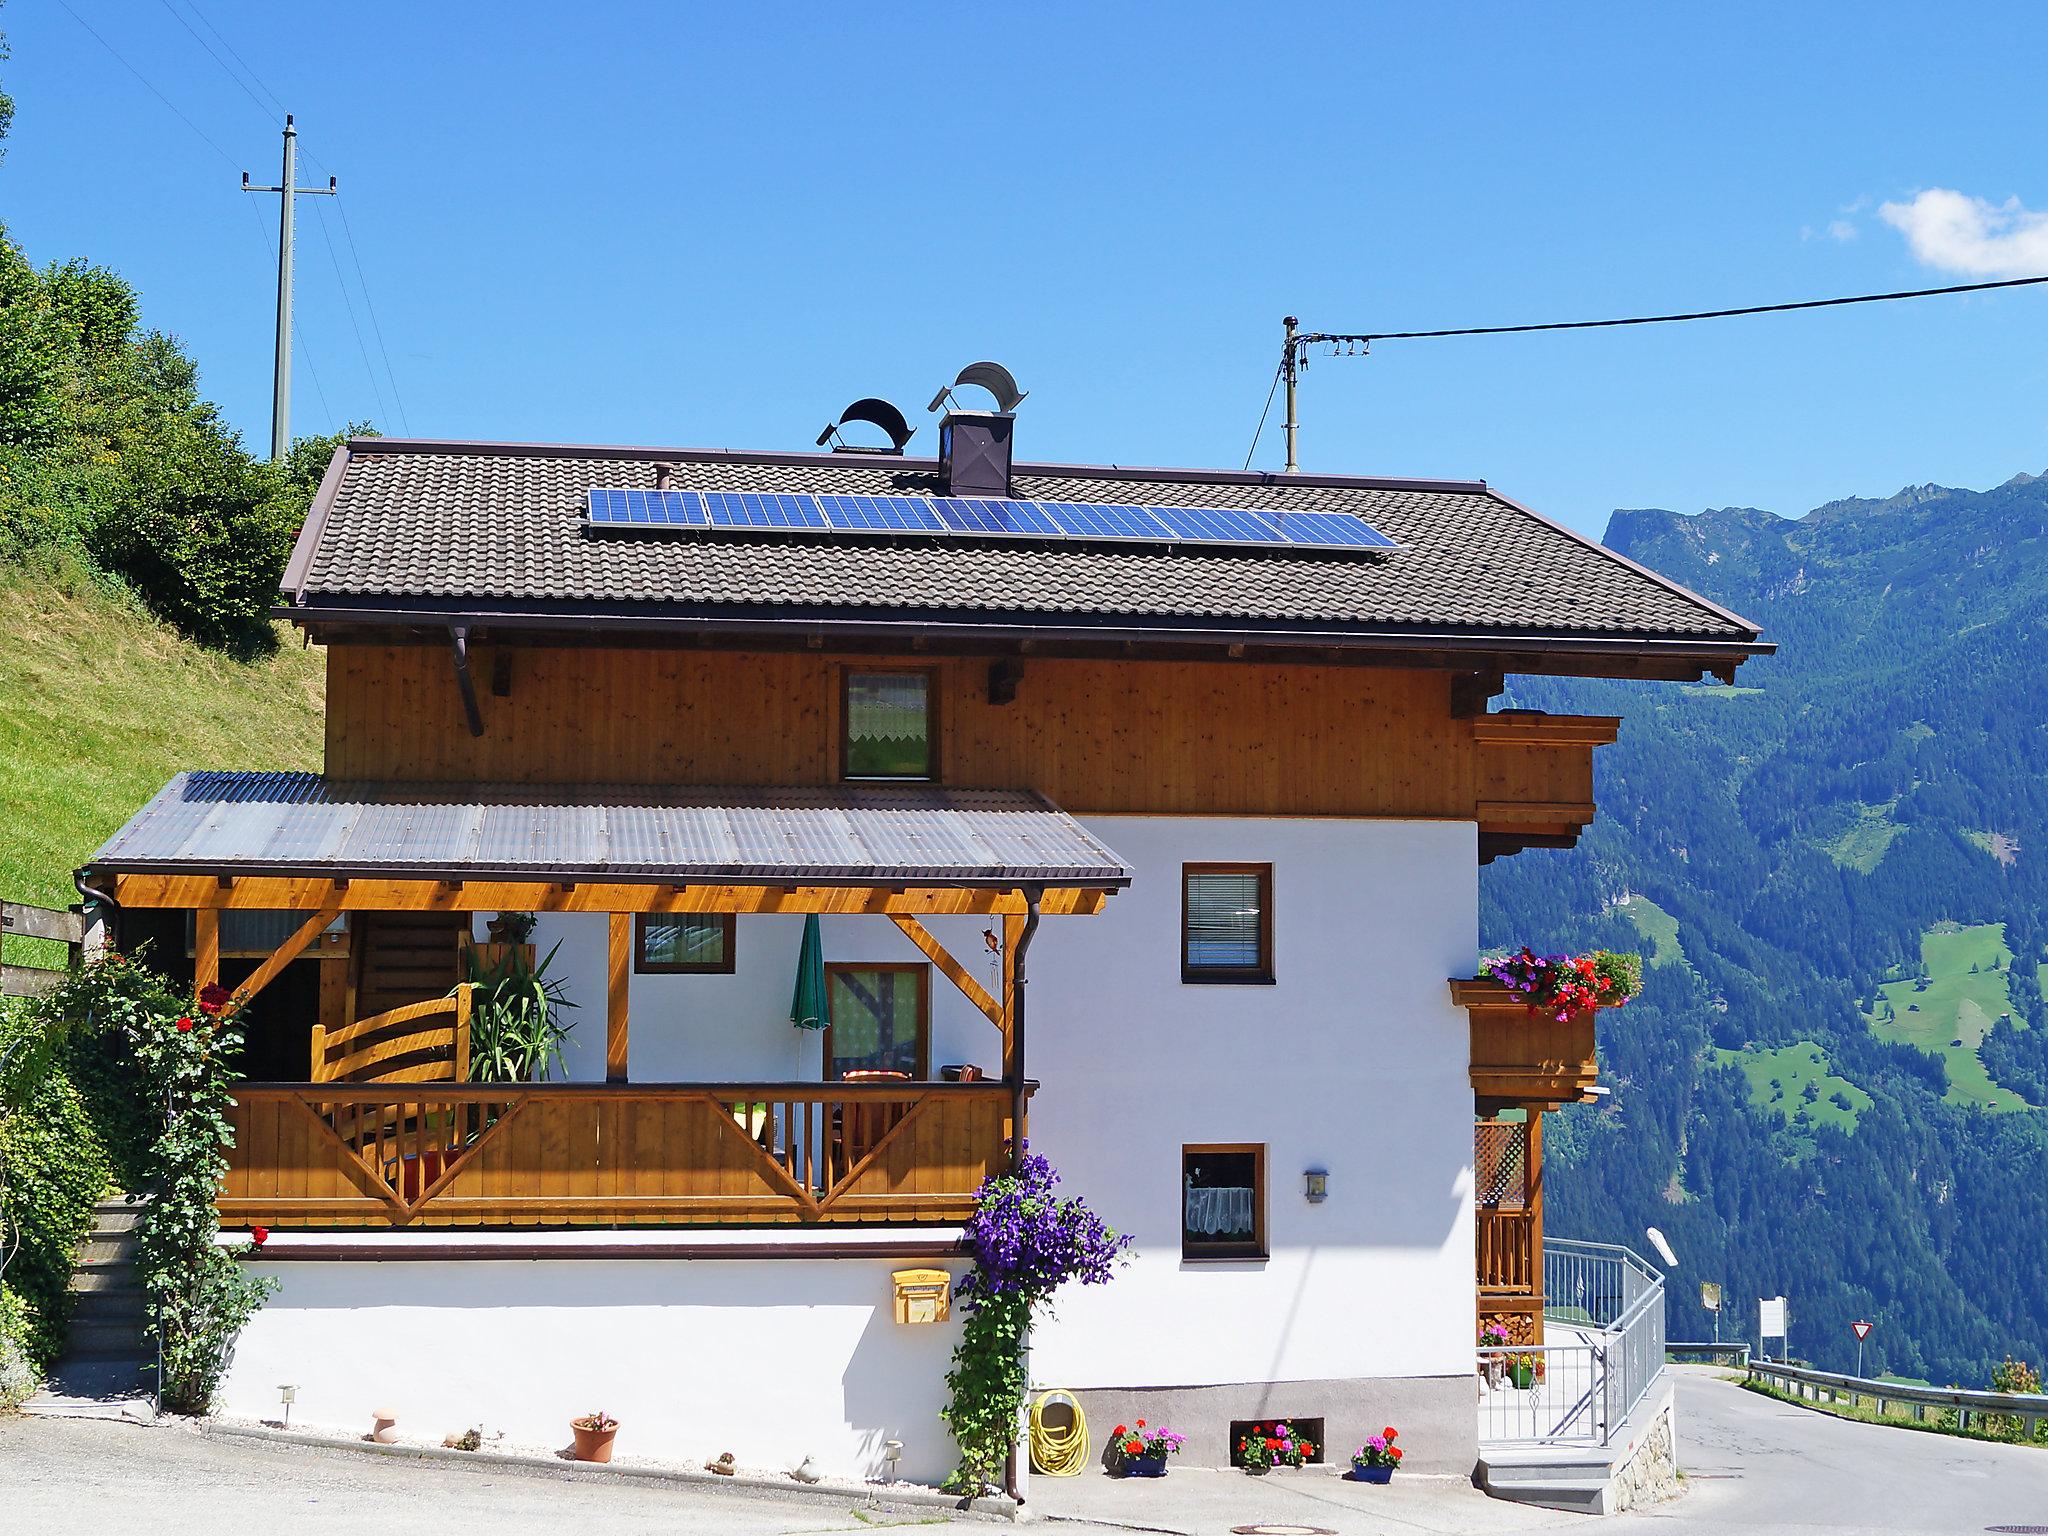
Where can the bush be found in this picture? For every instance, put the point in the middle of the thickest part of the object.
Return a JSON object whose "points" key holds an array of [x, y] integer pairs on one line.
{"points": [[53, 1171], [19, 1379]]}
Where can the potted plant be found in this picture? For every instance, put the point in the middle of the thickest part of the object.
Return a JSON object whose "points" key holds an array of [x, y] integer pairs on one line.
{"points": [[1560, 986], [1525, 1371], [594, 1434], [1493, 1337], [1142, 1450], [1375, 1461], [1261, 1448]]}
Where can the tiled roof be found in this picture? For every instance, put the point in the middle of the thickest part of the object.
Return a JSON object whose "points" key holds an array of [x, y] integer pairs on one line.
{"points": [[500, 530], [302, 824]]}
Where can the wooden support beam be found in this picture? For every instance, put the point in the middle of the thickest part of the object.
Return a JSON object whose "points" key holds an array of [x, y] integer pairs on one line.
{"points": [[618, 981], [205, 949], [287, 952], [304, 894], [953, 970]]}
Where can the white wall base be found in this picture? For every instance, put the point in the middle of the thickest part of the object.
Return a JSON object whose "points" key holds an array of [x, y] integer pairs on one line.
{"points": [[772, 1360]]}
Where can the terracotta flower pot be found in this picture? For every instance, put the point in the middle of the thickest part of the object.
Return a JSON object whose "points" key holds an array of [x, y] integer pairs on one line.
{"points": [[592, 1443]]}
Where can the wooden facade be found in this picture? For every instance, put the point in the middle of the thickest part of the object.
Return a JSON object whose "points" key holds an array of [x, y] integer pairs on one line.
{"points": [[1095, 737]]}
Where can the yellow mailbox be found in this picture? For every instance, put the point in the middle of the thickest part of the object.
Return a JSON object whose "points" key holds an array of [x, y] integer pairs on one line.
{"points": [[923, 1295]]}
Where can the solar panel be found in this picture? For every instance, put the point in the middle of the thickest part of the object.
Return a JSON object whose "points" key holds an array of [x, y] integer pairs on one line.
{"points": [[612, 510]]}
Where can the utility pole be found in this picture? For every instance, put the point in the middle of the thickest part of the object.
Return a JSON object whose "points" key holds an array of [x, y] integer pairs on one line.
{"points": [[1290, 370], [281, 386]]}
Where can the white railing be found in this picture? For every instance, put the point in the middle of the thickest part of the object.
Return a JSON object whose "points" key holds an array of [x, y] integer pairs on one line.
{"points": [[1581, 1391]]}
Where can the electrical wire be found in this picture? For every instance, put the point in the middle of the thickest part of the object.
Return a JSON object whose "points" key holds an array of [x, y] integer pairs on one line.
{"points": [[205, 137], [261, 85], [1278, 374], [1058, 1452], [327, 235], [376, 326], [1313, 338], [223, 63]]}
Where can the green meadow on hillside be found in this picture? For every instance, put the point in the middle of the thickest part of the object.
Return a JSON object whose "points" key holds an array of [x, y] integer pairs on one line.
{"points": [[1949, 1011], [1778, 1080], [1658, 928], [100, 704]]}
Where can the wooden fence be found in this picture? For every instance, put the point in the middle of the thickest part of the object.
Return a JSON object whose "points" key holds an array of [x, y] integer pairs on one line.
{"points": [[27, 922]]}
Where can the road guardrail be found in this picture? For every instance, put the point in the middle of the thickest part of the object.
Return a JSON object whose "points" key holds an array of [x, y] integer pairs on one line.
{"points": [[2030, 1408]]}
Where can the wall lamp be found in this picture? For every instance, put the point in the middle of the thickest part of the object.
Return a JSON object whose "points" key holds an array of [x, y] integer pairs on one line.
{"points": [[1315, 1183]]}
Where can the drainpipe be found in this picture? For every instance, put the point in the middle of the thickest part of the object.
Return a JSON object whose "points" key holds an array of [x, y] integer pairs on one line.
{"points": [[1013, 1466], [458, 635], [1032, 895], [93, 897]]}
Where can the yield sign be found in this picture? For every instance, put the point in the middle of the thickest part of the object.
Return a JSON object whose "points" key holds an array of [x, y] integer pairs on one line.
{"points": [[1861, 1330]]}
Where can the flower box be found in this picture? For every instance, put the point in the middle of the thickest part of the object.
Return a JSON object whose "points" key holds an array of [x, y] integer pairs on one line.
{"points": [[1519, 1057]]}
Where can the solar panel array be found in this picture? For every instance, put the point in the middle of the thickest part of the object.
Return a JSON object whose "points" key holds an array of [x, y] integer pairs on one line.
{"points": [[642, 511]]}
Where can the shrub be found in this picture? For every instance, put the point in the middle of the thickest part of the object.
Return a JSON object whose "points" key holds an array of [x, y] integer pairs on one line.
{"points": [[19, 1379], [53, 1171]]}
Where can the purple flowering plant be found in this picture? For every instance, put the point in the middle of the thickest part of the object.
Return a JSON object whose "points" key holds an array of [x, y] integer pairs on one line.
{"points": [[1027, 1241]]}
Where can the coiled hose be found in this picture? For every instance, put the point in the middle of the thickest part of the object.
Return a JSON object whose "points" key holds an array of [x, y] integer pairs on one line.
{"points": [[1058, 1450]]}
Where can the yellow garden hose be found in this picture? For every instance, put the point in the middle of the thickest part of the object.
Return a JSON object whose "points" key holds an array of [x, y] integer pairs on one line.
{"points": [[1058, 1450]]}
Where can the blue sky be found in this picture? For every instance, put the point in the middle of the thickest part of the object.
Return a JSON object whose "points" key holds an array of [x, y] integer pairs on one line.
{"points": [[715, 226]]}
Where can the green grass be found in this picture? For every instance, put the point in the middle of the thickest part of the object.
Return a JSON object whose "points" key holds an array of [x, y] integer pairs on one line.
{"points": [[1658, 928], [1718, 691], [99, 705], [1899, 1416], [1861, 844], [1952, 1016], [1778, 1077]]}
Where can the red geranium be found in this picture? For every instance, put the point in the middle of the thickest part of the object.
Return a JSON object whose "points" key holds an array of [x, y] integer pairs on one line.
{"points": [[259, 1235], [213, 998], [185, 1025]]}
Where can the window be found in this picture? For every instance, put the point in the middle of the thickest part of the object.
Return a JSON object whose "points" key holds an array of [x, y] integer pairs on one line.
{"points": [[887, 726], [880, 1020], [685, 945], [1226, 922], [1223, 1202]]}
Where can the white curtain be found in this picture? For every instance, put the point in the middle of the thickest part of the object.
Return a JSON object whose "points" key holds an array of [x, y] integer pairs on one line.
{"points": [[1213, 1211]]}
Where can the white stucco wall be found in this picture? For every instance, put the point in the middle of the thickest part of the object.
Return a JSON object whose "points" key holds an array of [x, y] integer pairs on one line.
{"points": [[771, 1360], [1354, 1060]]}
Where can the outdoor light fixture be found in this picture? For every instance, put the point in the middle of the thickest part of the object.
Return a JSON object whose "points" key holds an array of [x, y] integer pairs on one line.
{"points": [[1315, 1183], [287, 1394], [892, 1452]]}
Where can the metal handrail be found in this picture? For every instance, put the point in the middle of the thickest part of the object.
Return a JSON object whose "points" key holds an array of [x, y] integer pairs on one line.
{"points": [[2031, 1408]]}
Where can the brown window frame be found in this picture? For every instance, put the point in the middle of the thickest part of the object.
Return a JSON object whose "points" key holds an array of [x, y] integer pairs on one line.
{"points": [[1226, 1252], [642, 966], [1261, 974], [932, 718], [923, 971]]}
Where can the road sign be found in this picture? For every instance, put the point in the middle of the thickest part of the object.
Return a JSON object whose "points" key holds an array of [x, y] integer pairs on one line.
{"points": [[1861, 1330], [1710, 1295], [1770, 1312]]}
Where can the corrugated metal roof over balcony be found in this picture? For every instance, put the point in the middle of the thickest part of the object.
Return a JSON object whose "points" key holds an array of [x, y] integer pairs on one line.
{"points": [[302, 824]]}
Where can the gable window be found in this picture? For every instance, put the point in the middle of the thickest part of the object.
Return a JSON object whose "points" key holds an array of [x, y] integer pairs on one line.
{"points": [[880, 1020], [888, 725], [1226, 922], [684, 944], [1223, 1201]]}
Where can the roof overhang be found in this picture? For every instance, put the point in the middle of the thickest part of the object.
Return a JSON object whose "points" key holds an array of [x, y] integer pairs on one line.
{"points": [[638, 847]]}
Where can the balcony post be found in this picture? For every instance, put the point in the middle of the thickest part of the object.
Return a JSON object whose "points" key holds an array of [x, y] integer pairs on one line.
{"points": [[618, 980]]}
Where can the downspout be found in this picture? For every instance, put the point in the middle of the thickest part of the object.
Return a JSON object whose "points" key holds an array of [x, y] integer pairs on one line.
{"points": [[1013, 1471], [1033, 894], [92, 896], [458, 635]]}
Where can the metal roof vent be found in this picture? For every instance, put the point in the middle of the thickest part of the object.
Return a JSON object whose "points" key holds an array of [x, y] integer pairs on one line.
{"points": [[974, 446], [876, 413]]}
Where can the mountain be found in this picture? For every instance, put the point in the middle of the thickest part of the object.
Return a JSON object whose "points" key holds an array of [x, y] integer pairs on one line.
{"points": [[1835, 1084]]}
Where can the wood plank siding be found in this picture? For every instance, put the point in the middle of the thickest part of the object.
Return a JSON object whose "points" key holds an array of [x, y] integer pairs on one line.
{"points": [[1096, 737]]}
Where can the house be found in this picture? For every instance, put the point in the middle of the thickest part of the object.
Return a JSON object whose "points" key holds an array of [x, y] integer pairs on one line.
{"points": [[1209, 783]]}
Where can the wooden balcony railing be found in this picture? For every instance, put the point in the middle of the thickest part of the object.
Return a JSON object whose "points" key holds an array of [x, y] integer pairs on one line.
{"points": [[492, 1155], [1525, 1058]]}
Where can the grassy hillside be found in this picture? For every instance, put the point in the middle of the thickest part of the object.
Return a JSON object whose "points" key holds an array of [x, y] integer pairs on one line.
{"points": [[100, 704], [1949, 1009]]}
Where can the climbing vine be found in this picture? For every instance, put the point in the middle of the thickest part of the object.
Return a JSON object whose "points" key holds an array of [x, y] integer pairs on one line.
{"points": [[1027, 1241]]}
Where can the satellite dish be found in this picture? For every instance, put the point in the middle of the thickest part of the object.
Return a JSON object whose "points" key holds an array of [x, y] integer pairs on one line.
{"points": [[993, 377], [875, 412]]}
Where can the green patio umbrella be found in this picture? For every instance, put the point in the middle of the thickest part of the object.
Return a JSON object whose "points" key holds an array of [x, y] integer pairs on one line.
{"points": [[808, 1009]]}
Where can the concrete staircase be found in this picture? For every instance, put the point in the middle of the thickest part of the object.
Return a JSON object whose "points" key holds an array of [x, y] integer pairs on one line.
{"points": [[110, 1364]]}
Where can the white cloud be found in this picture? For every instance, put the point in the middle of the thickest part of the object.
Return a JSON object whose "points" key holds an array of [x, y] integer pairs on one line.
{"points": [[1954, 232], [1841, 229]]}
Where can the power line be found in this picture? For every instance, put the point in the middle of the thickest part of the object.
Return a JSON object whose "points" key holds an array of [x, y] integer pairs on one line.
{"points": [[376, 326], [159, 95], [1262, 419], [275, 104], [327, 234], [223, 63], [1294, 348]]}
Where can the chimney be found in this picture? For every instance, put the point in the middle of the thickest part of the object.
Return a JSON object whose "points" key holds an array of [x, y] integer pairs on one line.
{"points": [[974, 453]]}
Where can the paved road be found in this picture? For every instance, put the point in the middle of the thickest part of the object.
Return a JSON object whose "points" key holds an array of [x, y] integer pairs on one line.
{"points": [[1754, 1466]]}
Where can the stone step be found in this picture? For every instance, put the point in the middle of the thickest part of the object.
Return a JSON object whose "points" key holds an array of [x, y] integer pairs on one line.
{"points": [[105, 1248], [122, 1305], [1578, 1495], [115, 1216], [104, 1275], [91, 1338]]}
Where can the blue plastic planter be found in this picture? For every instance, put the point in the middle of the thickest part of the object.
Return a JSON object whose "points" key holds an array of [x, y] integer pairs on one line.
{"points": [[1371, 1474], [1144, 1466]]}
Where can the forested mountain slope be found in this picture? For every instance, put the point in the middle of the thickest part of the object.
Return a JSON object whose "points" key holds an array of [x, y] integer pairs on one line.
{"points": [[1833, 1085]]}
